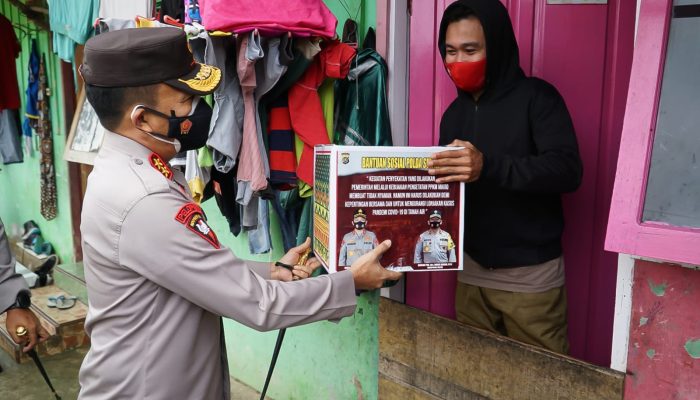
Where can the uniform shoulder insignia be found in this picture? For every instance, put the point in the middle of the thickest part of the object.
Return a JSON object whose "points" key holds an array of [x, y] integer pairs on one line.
{"points": [[192, 216], [450, 242], [160, 166]]}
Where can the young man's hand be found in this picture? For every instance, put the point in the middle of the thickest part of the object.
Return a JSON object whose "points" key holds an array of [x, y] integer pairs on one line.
{"points": [[462, 165], [368, 274], [36, 333], [292, 258]]}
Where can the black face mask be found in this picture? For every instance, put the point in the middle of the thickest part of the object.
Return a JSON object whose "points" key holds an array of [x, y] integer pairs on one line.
{"points": [[192, 131], [435, 224], [359, 225]]}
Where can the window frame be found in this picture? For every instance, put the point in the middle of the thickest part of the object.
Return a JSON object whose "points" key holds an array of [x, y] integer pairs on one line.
{"points": [[626, 232]]}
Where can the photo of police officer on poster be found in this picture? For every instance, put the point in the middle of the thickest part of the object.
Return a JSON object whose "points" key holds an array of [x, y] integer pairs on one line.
{"points": [[387, 193]]}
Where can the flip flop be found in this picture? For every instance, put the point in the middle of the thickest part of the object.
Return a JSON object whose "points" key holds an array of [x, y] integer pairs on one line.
{"points": [[64, 303]]}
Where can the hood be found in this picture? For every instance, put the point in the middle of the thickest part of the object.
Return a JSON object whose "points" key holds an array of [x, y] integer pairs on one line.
{"points": [[502, 54]]}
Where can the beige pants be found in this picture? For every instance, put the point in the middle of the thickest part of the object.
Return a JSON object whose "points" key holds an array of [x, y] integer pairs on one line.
{"points": [[534, 318]]}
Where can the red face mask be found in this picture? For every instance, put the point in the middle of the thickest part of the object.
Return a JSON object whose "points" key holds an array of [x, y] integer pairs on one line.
{"points": [[469, 76]]}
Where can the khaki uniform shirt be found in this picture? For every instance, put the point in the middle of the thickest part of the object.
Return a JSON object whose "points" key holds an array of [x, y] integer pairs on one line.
{"points": [[158, 281], [434, 248], [354, 246]]}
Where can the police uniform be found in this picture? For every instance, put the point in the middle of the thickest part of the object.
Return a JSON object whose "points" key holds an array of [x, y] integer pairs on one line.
{"points": [[355, 245], [158, 279], [434, 247]]}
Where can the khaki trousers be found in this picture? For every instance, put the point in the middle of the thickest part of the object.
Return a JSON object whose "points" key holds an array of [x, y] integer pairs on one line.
{"points": [[534, 318]]}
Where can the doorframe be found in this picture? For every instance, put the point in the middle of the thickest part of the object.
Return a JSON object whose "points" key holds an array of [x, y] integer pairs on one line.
{"points": [[393, 32]]}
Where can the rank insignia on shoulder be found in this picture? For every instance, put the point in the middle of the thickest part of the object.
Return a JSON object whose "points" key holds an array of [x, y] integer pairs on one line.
{"points": [[160, 166], [192, 216]]}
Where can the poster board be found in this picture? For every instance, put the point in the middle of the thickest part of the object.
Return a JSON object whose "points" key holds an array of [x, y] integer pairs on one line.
{"points": [[390, 189], [86, 134]]}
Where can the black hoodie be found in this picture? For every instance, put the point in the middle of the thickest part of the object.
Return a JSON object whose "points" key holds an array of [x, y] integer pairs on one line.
{"points": [[522, 126]]}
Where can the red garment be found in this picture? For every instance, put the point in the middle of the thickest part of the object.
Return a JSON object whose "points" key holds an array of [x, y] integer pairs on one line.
{"points": [[9, 90], [305, 105]]}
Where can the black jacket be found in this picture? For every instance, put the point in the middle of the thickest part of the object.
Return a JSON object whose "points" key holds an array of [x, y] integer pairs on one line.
{"points": [[522, 126]]}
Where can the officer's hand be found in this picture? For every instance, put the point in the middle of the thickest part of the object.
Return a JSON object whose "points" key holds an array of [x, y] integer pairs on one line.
{"points": [[462, 165], [292, 258], [368, 273], [35, 332]]}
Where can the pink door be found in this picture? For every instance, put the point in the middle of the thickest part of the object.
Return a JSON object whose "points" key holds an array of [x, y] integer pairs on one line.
{"points": [[585, 50]]}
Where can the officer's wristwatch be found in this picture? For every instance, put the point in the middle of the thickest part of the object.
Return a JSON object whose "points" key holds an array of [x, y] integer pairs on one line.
{"points": [[23, 300]]}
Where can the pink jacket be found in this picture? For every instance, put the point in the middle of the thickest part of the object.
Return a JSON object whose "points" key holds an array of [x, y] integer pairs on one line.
{"points": [[270, 17]]}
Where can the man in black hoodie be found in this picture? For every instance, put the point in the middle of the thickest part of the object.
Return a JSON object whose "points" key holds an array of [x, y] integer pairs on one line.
{"points": [[520, 154]]}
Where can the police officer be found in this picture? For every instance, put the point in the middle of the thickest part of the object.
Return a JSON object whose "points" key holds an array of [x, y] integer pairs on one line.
{"points": [[358, 242], [15, 298], [158, 279], [434, 245]]}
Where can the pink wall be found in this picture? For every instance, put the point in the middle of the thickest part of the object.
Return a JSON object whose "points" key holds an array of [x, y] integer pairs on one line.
{"points": [[585, 51], [664, 344]]}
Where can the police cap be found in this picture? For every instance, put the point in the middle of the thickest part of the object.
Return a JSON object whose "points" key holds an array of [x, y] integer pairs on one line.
{"points": [[146, 56]]}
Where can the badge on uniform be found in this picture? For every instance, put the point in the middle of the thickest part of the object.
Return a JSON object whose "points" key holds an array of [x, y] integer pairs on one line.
{"points": [[185, 126], [192, 217], [160, 166]]}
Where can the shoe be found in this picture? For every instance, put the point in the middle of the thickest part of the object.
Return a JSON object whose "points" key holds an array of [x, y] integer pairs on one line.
{"points": [[29, 237], [28, 227], [44, 271]]}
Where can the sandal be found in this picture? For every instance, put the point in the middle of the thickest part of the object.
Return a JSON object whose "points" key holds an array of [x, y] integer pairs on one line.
{"points": [[61, 302], [64, 303]]}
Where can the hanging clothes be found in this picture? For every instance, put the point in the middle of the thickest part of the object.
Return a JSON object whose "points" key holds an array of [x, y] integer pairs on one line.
{"points": [[104, 25], [274, 113], [126, 9], [361, 108], [251, 176], [226, 130], [9, 51], [268, 73], [305, 106], [47, 168], [270, 17], [225, 192], [31, 112], [10, 149], [327, 95], [192, 12], [196, 176], [283, 163], [71, 22], [175, 9]]}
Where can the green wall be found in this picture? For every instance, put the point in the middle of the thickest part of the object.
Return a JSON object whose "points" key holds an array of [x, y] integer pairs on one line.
{"points": [[323, 360], [19, 183]]}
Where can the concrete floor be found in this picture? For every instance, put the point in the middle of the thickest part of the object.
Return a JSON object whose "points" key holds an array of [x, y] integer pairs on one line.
{"points": [[24, 382]]}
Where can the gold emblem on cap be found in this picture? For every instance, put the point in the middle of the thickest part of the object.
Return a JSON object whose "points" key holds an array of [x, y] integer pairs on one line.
{"points": [[206, 79]]}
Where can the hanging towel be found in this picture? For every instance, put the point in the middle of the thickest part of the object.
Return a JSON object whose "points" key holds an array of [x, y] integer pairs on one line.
{"points": [[269, 17], [305, 106]]}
